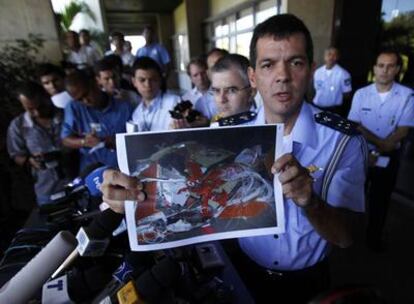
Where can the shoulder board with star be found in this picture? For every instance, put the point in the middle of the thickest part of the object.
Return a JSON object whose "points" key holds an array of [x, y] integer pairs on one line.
{"points": [[337, 122], [237, 119]]}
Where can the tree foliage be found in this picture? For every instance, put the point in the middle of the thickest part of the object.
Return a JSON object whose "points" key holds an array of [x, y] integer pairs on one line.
{"points": [[71, 10], [17, 64]]}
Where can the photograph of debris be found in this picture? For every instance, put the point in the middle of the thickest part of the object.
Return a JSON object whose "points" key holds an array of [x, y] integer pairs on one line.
{"points": [[202, 185]]}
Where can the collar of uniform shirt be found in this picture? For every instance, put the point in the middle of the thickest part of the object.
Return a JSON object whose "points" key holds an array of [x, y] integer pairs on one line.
{"points": [[154, 105], [303, 130]]}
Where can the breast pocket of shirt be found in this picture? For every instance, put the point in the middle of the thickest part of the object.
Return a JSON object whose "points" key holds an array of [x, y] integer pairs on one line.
{"points": [[319, 84]]}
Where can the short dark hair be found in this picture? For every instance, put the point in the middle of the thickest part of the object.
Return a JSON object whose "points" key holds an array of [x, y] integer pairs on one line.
{"points": [[33, 91], [389, 51], [146, 63], [103, 65], [115, 61], [229, 61], [79, 79], [280, 26], [117, 34], [45, 69], [84, 31], [223, 52], [198, 61]]}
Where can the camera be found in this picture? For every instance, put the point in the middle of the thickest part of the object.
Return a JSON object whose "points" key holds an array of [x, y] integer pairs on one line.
{"points": [[184, 110]]}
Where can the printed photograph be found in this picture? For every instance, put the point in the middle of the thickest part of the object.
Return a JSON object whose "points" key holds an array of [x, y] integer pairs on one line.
{"points": [[202, 185]]}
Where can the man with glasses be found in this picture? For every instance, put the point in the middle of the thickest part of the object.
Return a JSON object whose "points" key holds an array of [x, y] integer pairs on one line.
{"points": [[231, 90], [384, 111], [91, 121], [205, 104]]}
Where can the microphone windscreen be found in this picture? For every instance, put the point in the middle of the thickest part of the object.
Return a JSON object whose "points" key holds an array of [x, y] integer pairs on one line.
{"points": [[93, 181], [31, 278]]}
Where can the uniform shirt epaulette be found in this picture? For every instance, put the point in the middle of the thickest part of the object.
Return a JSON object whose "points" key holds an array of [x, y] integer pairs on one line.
{"points": [[237, 119], [337, 122]]}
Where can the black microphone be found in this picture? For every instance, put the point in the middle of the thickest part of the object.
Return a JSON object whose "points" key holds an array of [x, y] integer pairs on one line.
{"points": [[88, 182], [77, 285], [94, 239]]}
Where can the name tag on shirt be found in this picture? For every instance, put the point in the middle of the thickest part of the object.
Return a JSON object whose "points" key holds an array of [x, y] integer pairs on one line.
{"points": [[97, 127]]}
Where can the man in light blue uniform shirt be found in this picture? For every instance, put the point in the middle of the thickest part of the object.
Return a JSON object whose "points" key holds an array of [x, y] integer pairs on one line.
{"points": [[152, 114], [384, 111], [332, 82], [319, 208], [91, 121], [154, 50], [291, 267]]}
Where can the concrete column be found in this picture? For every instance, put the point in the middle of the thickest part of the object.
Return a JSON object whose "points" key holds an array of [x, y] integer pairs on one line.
{"points": [[18, 18]]}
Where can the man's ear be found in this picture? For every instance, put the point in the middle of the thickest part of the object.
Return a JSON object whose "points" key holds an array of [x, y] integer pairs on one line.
{"points": [[252, 77]]}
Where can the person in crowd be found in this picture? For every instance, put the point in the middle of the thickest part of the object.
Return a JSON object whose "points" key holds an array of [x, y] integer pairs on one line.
{"points": [[109, 80], [33, 140], [231, 90], [197, 71], [332, 83], [128, 46], [85, 40], [118, 40], [51, 77], [91, 121], [154, 50], [319, 208], [80, 55], [152, 114], [205, 104], [384, 112]]}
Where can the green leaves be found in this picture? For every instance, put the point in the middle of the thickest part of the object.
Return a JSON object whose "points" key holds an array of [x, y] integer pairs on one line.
{"points": [[71, 10]]}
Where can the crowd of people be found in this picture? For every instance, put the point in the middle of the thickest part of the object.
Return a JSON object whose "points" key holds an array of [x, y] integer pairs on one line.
{"points": [[72, 116]]}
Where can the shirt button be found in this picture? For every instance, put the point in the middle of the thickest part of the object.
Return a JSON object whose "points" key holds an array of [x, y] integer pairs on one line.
{"points": [[377, 129], [276, 236], [276, 263]]}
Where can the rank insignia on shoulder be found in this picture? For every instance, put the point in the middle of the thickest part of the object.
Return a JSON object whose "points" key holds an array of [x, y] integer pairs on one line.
{"points": [[337, 122], [237, 119]]}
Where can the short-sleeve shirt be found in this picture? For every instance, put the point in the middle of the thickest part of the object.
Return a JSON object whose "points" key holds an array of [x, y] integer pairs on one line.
{"points": [[84, 57], [206, 106], [25, 138], [330, 85], [81, 120], [155, 51], [156, 116], [313, 144], [192, 95], [383, 117]]}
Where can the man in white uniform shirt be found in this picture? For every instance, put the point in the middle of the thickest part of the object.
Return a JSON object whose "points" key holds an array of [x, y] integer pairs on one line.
{"points": [[152, 114], [384, 111], [197, 71], [332, 83]]}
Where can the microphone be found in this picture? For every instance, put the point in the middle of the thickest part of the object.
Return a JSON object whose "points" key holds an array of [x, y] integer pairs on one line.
{"points": [[92, 240], [82, 192], [153, 285], [77, 286], [31, 277]]}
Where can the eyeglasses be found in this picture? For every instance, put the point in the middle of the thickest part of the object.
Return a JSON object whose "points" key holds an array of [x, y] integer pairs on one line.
{"points": [[229, 91]]}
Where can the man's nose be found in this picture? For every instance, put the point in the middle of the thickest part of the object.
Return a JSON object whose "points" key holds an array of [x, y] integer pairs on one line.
{"points": [[282, 72]]}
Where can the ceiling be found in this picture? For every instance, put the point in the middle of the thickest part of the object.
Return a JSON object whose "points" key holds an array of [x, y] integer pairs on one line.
{"points": [[131, 16]]}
